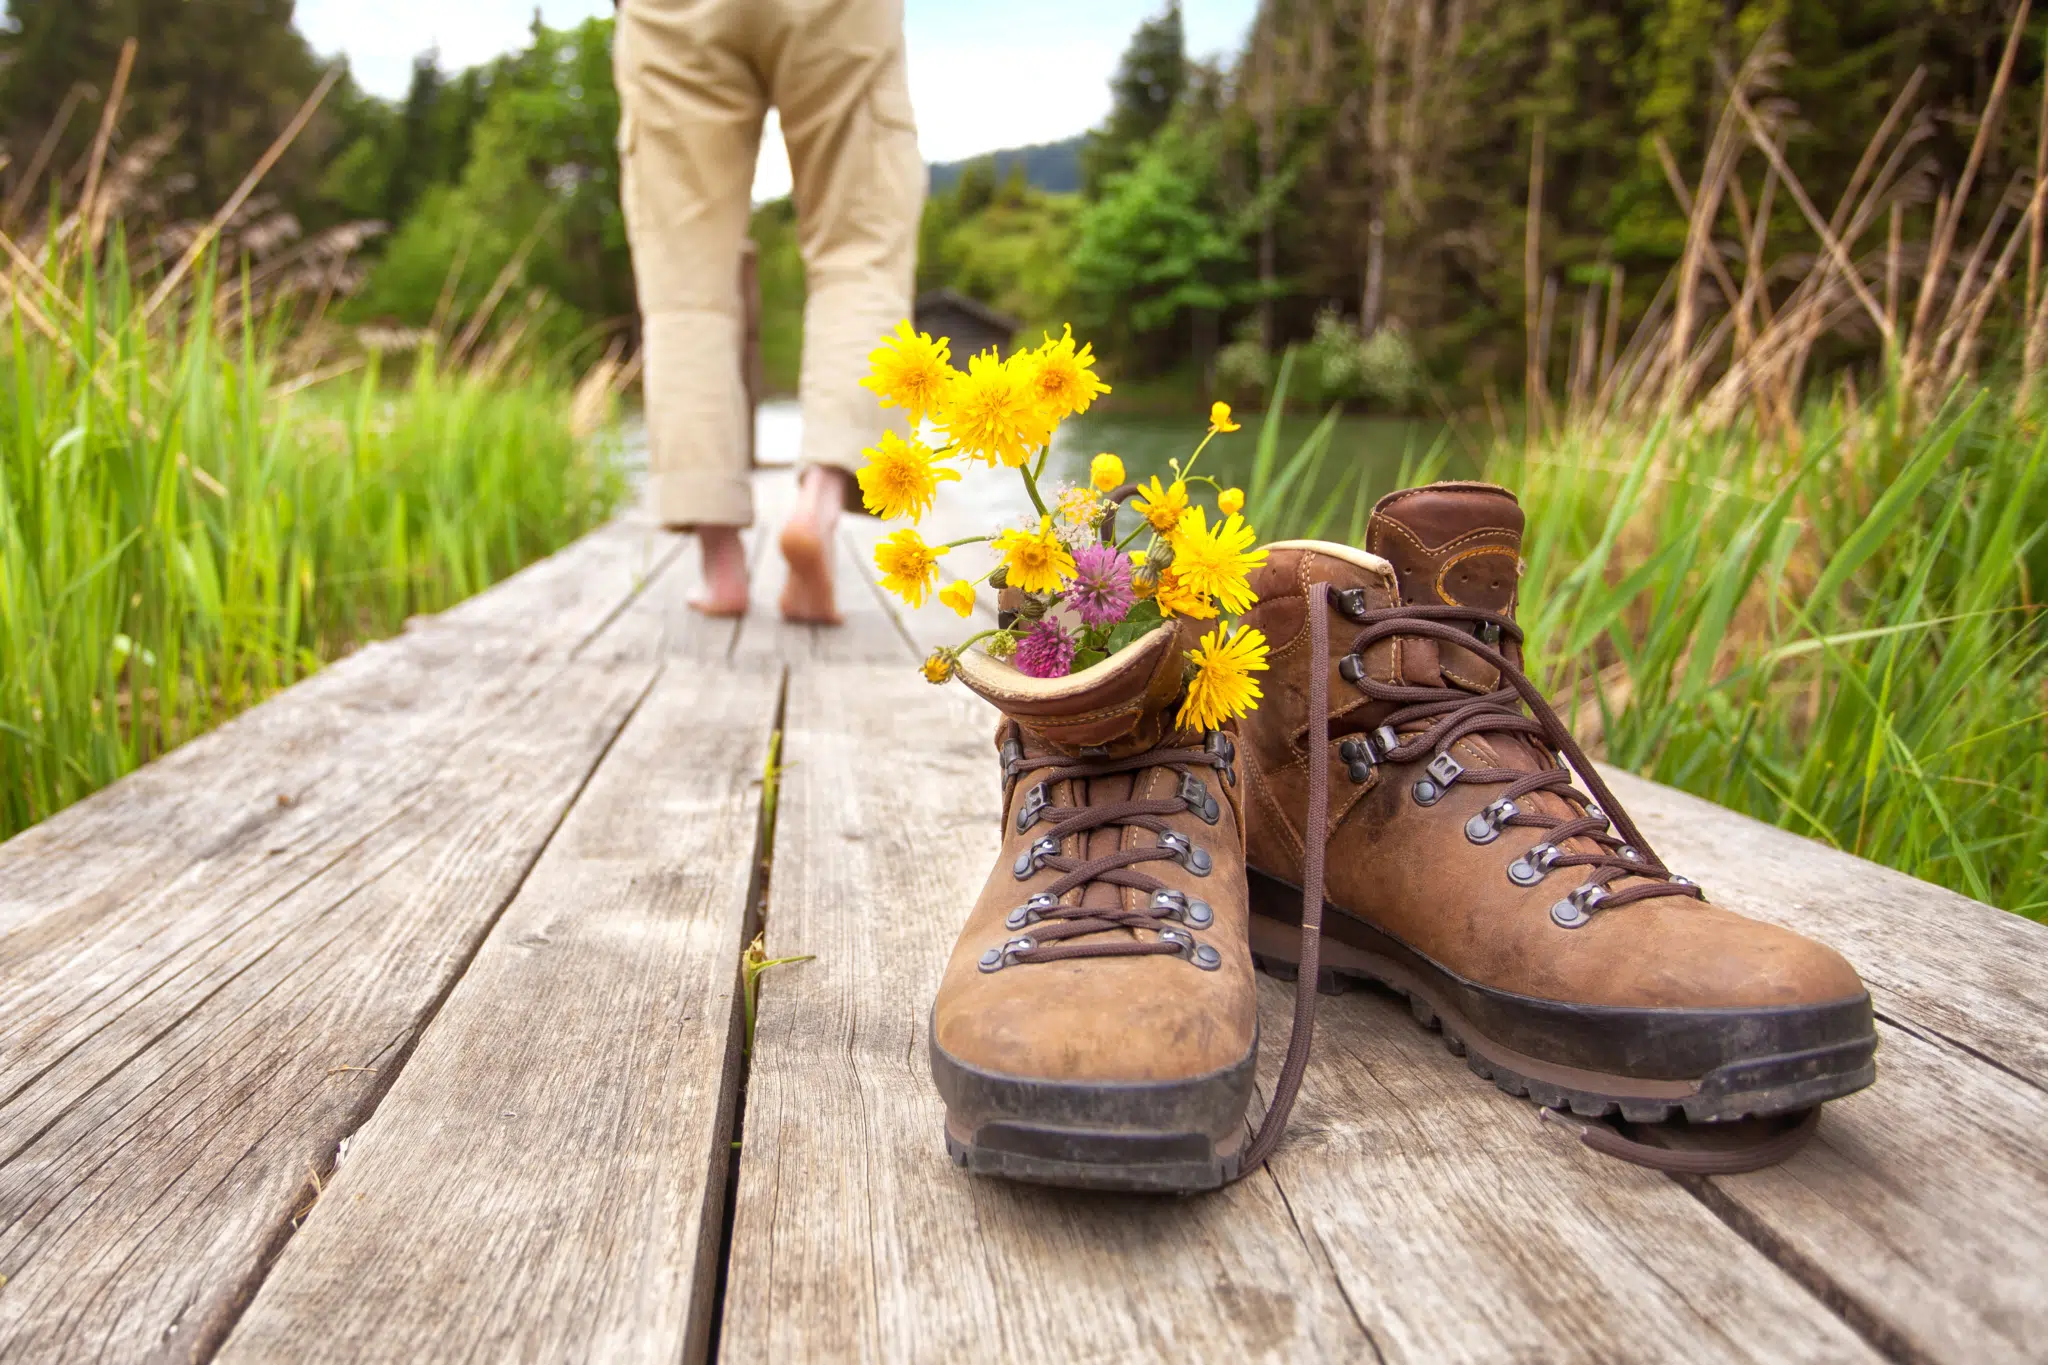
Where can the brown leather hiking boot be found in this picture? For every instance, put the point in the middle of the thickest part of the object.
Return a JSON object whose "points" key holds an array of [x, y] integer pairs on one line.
{"points": [[1534, 924], [1097, 1025]]}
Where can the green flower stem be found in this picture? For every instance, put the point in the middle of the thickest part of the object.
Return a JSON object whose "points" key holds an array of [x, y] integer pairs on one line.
{"points": [[1031, 487], [965, 540]]}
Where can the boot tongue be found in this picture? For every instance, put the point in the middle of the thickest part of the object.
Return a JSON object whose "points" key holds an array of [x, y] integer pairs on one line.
{"points": [[1451, 544]]}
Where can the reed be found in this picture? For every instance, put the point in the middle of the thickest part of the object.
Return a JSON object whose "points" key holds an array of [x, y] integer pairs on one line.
{"points": [[188, 524]]}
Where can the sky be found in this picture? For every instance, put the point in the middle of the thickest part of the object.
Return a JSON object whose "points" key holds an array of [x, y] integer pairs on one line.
{"points": [[982, 75]]}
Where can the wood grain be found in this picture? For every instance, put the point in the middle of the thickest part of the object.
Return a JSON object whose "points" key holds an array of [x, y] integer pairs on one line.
{"points": [[546, 1179], [1918, 1207], [856, 1238], [196, 1008], [1463, 1229]]}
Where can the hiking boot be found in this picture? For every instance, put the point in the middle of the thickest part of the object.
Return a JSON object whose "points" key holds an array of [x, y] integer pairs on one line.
{"points": [[1097, 1025], [1466, 869]]}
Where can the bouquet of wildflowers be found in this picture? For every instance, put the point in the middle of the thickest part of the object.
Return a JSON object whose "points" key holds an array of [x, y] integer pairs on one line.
{"points": [[1082, 587]]}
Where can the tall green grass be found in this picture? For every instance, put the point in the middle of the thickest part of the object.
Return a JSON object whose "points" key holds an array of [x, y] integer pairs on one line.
{"points": [[181, 534], [1838, 630]]}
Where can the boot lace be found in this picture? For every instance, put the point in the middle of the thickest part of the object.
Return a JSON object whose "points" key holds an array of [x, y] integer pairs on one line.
{"points": [[1163, 924], [1618, 849]]}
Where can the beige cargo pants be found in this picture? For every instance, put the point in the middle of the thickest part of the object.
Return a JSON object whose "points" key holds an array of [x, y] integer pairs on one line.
{"points": [[695, 79]]}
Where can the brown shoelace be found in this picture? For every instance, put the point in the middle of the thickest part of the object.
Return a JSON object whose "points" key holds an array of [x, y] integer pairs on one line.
{"points": [[1623, 852], [1052, 925]]}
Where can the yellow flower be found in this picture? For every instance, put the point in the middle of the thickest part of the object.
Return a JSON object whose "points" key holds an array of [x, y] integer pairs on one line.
{"points": [[1219, 418], [1217, 562], [959, 595], [900, 478], [1035, 561], [938, 666], [1106, 472], [1080, 507], [1222, 688], [910, 371], [1179, 598], [1062, 379], [1161, 506], [1143, 581], [909, 566], [1230, 501], [991, 411]]}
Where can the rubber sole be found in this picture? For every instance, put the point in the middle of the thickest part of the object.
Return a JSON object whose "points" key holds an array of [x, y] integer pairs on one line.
{"points": [[1158, 1137], [1708, 1066]]}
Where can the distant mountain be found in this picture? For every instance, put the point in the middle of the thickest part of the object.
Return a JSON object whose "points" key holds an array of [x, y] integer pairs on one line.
{"points": [[1052, 166]]}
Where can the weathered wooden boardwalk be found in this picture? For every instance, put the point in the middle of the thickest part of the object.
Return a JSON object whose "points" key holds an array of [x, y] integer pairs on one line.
{"points": [[400, 1020]]}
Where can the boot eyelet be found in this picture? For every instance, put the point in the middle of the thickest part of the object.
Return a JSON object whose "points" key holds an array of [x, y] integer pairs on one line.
{"points": [[1035, 803], [1533, 866], [1351, 668], [1188, 854], [1176, 905], [1443, 771], [1486, 826], [1350, 601], [1031, 911], [1194, 793], [1031, 859], [1221, 745], [1577, 907], [995, 959], [1207, 958], [1630, 852]]}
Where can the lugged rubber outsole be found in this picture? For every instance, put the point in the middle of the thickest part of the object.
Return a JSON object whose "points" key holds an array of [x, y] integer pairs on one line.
{"points": [[1751, 1087], [1155, 1137]]}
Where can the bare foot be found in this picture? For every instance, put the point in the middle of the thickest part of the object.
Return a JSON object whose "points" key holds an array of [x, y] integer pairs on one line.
{"points": [[725, 572], [807, 543]]}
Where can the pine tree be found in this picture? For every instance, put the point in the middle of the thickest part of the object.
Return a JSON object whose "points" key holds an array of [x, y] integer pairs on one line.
{"points": [[1148, 84], [228, 74]]}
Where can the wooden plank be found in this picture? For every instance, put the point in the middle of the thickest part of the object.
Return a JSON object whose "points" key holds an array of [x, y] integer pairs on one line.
{"points": [[192, 1019], [855, 1236], [1941, 962], [1919, 1208], [546, 1179], [1462, 1229]]}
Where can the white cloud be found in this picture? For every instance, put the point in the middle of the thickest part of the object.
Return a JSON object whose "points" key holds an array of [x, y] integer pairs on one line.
{"points": [[982, 76]]}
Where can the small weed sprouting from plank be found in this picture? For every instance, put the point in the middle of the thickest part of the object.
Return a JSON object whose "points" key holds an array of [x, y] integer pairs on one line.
{"points": [[752, 965], [756, 960]]}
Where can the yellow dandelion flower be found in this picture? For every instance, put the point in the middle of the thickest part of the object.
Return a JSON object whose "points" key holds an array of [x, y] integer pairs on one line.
{"points": [[1063, 379], [990, 412], [1230, 501], [1222, 688], [1143, 581], [1080, 507], [910, 371], [1179, 598], [1217, 561], [959, 595], [1106, 472], [1161, 506], [1035, 561], [1219, 418], [901, 478], [909, 566], [938, 666]]}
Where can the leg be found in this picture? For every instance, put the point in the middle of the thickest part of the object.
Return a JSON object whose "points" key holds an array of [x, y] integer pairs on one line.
{"points": [[841, 86], [689, 134]]}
